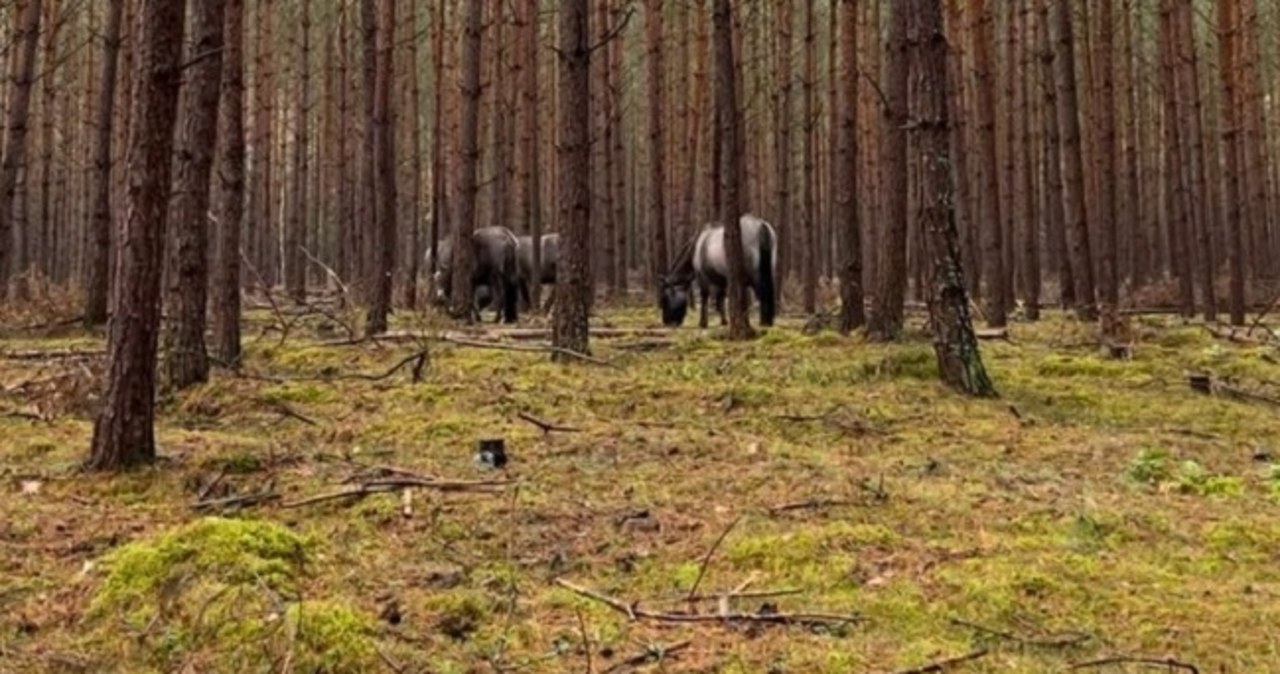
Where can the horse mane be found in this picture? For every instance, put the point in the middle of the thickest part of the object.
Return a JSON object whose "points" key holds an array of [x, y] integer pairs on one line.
{"points": [[681, 271]]}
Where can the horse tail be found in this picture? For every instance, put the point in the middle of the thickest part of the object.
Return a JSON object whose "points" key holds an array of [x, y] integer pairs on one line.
{"points": [[766, 290]]}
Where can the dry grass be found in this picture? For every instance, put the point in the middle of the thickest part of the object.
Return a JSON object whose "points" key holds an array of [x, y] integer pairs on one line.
{"points": [[1098, 507]]}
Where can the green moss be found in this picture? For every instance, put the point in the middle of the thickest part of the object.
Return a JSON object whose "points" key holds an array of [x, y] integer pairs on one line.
{"points": [[331, 637], [457, 614], [1151, 466], [214, 550]]}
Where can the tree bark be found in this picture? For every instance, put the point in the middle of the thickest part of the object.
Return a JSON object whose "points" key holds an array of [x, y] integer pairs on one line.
{"points": [[657, 160], [230, 189], [730, 168], [990, 215], [98, 243], [18, 109], [1229, 58], [186, 360], [783, 154], [385, 176], [573, 282], [415, 135], [468, 188], [846, 221], [810, 260], [1076, 220], [955, 343], [295, 236], [123, 434], [887, 313]]}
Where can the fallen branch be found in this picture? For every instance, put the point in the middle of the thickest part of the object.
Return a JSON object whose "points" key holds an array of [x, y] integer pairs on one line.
{"points": [[653, 654], [944, 665], [1001, 334], [53, 354], [1065, 640], [514, 334], [242, 501], [706, 559], [419, 361], [812, 504], [1168, 662], [371, 487], [542, 348], [546, 426], [634, 612]]}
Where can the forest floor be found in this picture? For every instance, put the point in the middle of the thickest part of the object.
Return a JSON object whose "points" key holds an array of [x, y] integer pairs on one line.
{"points": [[1099, 508]]}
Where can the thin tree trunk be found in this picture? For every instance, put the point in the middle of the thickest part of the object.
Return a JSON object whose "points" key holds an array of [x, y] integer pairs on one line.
{"points": [[123, 434], [439, 207], [186, 360], [990, 215], [846, 220], [1202, 210], [1177, 199], [956, 345], [887, 313], [1024, 191], [230, 189], [385, 164], [657, 160], [1229, 59], [730, 167], [530, 209], [295, 260], [573, 283], [1076, 220], [98, 243], [810, 260], [415, 135], [783, 154], [21, 78], [468, 144]]}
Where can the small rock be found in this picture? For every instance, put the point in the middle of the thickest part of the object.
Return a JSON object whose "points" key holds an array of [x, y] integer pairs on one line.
{"points": [[1262, 455], [31, 486], [391, 612], [639, 521], [491, 454]]}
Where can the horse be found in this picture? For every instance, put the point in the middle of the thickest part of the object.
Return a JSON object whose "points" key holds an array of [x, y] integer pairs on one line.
{"points": [[544, 276], [495, 269], [703, 259]]}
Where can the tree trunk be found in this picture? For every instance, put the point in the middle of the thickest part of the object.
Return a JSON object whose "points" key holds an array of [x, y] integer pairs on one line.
{"points": [[98, 243], [954, 341], [385, 166], [1053, 195], [530, 208], [1024, 191], [468, 188], [230, 185], [1229, 58], [1076, 220], [415, 135], [186, 361], [573, 283], [439, 205], [1176, 196], [18, 108], [810, 260], [730, 168], [990, 215], [123, 434], [657, 159], [295, 236], [1203, 215], [846, 221], [783, 74], [887, 313]]}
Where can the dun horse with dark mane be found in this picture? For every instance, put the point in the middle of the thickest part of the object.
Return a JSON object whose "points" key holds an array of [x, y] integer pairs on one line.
{"points": [[703, 259]]}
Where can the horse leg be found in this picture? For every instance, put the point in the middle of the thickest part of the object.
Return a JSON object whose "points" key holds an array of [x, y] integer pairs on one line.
{"points": [[704, 292], [721, 293]]}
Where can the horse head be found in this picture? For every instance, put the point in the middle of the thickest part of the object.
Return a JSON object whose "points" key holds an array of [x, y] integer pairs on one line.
{"points": [[673, 300]]}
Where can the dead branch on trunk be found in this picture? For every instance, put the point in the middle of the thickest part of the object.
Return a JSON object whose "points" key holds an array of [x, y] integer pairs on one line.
{"points": [[944, 665], [1168, 662], [635, 612], [546, 426]]}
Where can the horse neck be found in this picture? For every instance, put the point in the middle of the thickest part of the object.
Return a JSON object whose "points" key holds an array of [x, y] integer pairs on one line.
{"points": [[682, 271]]}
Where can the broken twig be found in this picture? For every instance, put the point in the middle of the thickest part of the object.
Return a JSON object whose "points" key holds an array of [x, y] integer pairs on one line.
{"points": [[653, 654], [706, 559], [1169, 662], [634, 612], [546, 426], [944, 665]]}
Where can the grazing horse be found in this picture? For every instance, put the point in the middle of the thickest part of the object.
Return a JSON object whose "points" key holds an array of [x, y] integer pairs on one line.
{"points": [[544, 276], [496, 271], [703, 259]]}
